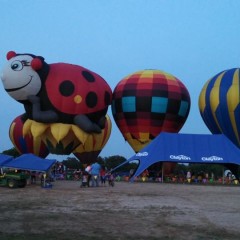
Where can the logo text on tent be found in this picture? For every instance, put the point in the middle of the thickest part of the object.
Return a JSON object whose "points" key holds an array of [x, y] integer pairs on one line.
{"points": [[142, 154], [180, 157], [212, 158]]}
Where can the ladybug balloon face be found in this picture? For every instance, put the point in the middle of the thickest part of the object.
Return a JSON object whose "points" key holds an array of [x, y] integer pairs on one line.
{"points": [[57, 93], [19, 79]]}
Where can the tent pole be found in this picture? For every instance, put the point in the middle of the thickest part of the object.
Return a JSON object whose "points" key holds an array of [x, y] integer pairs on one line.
{"points": [[162, 172], [223, 176]]}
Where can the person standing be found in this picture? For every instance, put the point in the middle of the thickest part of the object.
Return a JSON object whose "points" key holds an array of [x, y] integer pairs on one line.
{"points": [[85, 182], [95, 174], [33, 177], [103, 175], [88, 170], [189, 176]]}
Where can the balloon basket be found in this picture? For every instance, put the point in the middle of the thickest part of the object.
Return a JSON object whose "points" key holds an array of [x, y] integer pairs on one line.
{"points": [[189, 180], [236, 182]]}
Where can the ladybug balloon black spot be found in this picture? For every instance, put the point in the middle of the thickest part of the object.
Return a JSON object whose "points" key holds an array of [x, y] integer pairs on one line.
{"points": [[66, 88], [91, 99], [88, 76]]}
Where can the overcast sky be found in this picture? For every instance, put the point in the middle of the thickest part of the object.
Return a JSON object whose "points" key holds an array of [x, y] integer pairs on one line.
{"points": [[190, 39]]}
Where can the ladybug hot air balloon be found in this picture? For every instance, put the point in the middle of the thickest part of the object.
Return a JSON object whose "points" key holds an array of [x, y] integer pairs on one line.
{"points": [[57, 92], [64, 103], [219, 104], [88, 152], [26, 143], [148, 102]]}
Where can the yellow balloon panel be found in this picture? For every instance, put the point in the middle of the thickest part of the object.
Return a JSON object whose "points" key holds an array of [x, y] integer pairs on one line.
{"points": [[64, 145], [58, 137], [96, 141]]}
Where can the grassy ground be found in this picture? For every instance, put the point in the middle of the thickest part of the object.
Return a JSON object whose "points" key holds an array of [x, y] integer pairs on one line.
{"points": [[125, 211]]}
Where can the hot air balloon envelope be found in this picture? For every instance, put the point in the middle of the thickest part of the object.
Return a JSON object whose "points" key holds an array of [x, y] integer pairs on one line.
{"points": [[148, 102], [26, 142], [219, 104]]}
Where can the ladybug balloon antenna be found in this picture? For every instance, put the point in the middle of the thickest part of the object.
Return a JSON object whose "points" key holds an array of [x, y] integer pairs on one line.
{"points": [[37, 63], [10, 55]]}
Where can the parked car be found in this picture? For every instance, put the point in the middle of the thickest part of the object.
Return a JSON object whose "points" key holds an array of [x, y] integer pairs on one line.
{"points": [[13, 179]]}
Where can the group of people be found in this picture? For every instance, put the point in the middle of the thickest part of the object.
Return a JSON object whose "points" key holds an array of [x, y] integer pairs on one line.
{"points": [[96, 174], [200, 177]]}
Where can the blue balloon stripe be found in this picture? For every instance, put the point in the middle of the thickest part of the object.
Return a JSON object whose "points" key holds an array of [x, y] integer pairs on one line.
{"points": [[209, 88], [237, 116], [224, 121], [226, 83], [210, 122], [23, 145], [207, 114], [222, 111]]}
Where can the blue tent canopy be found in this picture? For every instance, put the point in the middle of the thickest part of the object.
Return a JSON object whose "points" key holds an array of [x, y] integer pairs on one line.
{"points": [[187, 148], [4, 159], [29, 162]]}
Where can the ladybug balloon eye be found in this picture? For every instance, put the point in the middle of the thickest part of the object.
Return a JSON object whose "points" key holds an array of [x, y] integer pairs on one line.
{"points": [[10, 55], [36, 64], [17, 66]]}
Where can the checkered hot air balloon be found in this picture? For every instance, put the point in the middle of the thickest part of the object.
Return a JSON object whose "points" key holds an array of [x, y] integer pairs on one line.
{"points": [[219, 104], [148, 102]]}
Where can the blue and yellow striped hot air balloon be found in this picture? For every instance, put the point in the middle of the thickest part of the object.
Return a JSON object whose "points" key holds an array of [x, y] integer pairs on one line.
{"points": [[219, 104]]}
